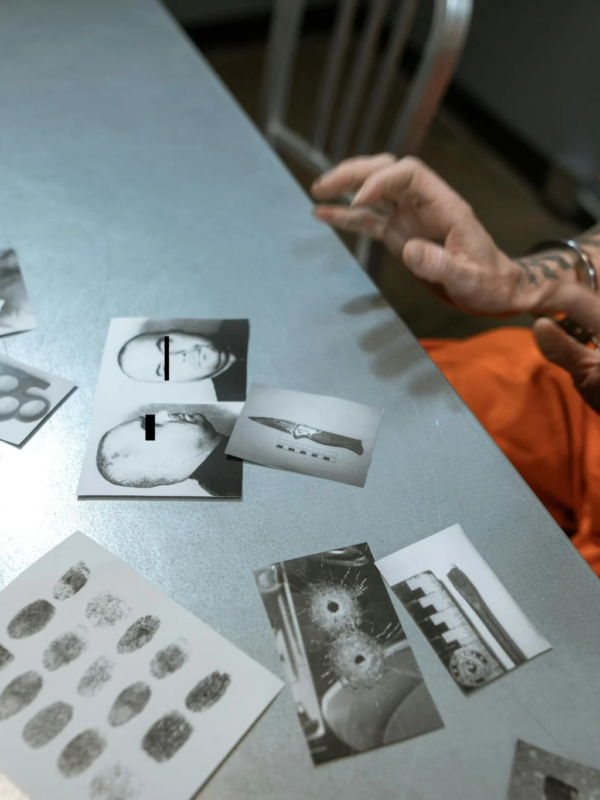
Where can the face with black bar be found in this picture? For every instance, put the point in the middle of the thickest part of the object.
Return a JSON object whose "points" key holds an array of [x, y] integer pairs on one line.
{"points": [[181, 443], [191, 357]]}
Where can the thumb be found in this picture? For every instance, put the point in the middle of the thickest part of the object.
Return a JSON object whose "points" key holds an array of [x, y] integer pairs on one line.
{"points": [[428, 261], [564, 351]]}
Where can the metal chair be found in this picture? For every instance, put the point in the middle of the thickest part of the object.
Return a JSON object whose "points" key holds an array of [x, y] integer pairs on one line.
{"points": [[327, 146]]}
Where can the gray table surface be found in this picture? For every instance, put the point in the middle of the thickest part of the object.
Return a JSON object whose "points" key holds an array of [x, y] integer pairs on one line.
{"points": [[132, 185]]}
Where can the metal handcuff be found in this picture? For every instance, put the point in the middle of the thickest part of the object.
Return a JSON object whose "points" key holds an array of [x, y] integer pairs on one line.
{"points": [[586, 274]]}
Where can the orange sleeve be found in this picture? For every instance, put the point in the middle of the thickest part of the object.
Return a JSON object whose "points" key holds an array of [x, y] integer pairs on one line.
{"points": [[532, 411]]}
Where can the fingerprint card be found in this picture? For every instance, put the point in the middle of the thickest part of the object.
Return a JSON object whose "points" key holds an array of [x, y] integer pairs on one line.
{"points": [[540, 775], [167, 399], [27, 397], [308, 433], [15, 310], [353, 676], [109, 689], [475, 627]]}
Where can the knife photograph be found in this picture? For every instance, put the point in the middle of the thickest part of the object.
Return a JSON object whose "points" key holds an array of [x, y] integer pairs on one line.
{"points": [[299, 431]]}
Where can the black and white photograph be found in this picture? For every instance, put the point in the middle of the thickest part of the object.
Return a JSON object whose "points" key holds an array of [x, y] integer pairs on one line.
{"points": [[540, 775], [27, 397], [109, 689], [15, 309], [351, 671], [205, 359], [163, 450], [161, 419], [475, 627], [313, 434]]}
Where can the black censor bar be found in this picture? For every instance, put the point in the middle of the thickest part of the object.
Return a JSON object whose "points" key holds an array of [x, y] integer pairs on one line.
{"points": [[166, 348], [150, 427]]}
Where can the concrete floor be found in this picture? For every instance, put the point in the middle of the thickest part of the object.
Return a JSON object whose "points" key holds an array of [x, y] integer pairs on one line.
{"points": [[503, 201]]}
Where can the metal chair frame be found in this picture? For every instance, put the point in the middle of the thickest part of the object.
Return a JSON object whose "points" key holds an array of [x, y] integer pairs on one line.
{"points": [[444, 45]]}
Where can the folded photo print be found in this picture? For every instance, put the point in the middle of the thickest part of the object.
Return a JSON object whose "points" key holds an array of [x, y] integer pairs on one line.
{"points": [[168, 396]]}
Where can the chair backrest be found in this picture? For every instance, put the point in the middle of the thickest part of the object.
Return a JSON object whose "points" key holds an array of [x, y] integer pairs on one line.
{"points": [[327, 144]]}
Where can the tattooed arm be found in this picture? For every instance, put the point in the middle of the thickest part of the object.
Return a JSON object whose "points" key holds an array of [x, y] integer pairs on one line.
{"points": [[424, 223], [548, 270], [428, 226]]}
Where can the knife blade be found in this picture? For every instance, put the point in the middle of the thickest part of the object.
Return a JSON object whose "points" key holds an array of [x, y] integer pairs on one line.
{"points": [[299, 431]]}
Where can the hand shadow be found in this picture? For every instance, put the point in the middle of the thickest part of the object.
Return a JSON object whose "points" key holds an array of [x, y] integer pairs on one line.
{"points": [[393, 347], [397, 351]]}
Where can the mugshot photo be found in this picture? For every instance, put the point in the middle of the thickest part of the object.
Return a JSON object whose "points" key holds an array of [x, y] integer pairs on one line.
{"points": [[163, 450], [187, 360]]}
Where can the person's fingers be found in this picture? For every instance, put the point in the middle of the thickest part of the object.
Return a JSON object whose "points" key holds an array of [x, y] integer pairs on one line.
{"points": [[359, 220], [429, 261], [564, 351], [580, 304], [410, 180], [348, 176]]}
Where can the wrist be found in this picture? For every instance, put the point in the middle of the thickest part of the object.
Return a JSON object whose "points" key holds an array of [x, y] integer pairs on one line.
{"points": [[540, 275]]}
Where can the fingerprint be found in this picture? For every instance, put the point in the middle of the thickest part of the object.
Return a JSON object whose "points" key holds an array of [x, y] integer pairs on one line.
{"points": [[47, 724], [80, 753], [94, 678], [63, 650], [19, 693], [114, 783], [106, 609], [5, 657], [169, 660], [167, 736], [208, 692], [31, 619], [131, 702], [71, 582], [138, 634]]}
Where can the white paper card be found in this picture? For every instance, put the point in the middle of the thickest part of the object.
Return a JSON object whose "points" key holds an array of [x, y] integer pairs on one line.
{"points": [[110, 689], [309, 433], [27, 396], [471, 621], [189, 377]]}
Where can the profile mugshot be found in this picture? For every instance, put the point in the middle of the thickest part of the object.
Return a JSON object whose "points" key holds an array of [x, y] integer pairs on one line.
{"points": [[218, 356], [186, 446]]}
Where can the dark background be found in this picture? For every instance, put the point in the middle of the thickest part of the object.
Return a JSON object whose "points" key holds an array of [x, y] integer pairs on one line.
{"points": [[517, 135]]}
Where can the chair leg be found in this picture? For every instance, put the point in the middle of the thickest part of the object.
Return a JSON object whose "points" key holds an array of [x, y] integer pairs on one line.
{"points": [[444, 46]]}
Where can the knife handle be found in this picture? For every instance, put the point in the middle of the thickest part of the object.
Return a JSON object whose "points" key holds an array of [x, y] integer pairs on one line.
{"points": [[467, 590], [335, 440]]}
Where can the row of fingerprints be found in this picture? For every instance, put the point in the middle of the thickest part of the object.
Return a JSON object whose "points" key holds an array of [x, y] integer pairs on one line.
{"points": [[161, 741]]}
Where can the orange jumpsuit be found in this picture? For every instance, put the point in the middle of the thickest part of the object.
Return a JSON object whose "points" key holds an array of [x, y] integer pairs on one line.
{"points": [[537, 418]]}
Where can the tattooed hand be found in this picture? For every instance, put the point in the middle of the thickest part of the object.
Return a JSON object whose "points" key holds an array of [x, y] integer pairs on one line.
{"points": [[427, 225], [582, 363]]}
